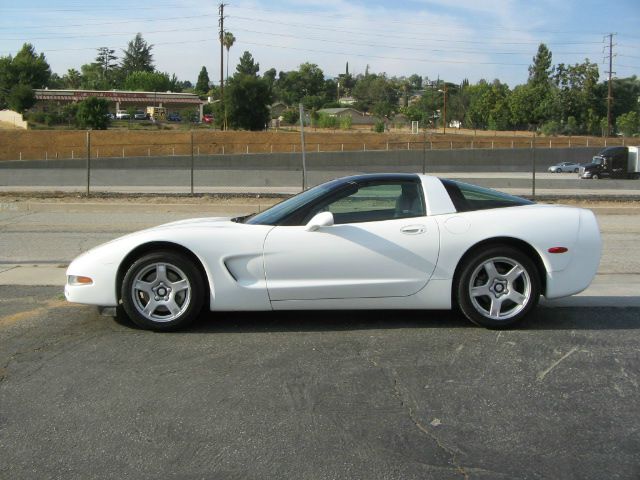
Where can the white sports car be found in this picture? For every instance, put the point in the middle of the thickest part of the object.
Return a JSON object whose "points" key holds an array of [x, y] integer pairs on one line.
{"points": [[381, 241]]}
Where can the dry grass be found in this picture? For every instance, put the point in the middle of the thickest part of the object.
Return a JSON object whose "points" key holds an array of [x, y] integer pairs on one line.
{"points": [[50, 144]]}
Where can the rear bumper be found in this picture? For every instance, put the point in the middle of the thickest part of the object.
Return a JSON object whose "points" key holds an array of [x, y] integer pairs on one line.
{"points": [[583, 267]]}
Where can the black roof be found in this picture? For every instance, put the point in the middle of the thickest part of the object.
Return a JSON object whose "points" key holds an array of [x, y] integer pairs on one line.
{"points": [[380, 177]]}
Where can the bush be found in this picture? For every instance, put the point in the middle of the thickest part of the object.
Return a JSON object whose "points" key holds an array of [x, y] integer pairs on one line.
{"points": [[346, 122], [327, 121], [551, 128], [290, 116], [628, 123], [379, 127]]}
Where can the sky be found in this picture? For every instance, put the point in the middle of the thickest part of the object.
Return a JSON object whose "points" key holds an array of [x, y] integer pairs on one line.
{"points": [[450, 40]]}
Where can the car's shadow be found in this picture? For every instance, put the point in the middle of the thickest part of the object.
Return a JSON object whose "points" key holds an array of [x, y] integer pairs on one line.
{"points": [[545, 317]]}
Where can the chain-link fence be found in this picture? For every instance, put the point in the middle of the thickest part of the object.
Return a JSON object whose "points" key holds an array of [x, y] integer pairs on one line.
{"points": [[193, 164]]}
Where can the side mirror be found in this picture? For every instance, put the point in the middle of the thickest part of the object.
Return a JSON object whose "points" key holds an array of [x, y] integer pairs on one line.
{"points": [[322, 219]]}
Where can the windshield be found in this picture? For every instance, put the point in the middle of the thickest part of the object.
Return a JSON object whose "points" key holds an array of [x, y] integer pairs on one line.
{"points": [[282, 210]]}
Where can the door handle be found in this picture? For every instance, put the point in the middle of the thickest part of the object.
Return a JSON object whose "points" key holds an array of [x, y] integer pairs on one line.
{"points": [[413, 229]]}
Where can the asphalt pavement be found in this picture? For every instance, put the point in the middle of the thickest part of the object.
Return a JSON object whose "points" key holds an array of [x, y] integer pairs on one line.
{"points": [[313, 395]]}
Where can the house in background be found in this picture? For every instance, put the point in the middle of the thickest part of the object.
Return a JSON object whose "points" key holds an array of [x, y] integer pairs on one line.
{"points": [[357, 117]]}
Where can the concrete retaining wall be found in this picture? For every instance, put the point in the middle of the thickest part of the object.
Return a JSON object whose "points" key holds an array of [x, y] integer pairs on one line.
{"points": [[477, 160]]}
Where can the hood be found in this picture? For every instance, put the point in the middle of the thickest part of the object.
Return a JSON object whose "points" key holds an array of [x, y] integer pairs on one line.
{"points": [[196, 222]]}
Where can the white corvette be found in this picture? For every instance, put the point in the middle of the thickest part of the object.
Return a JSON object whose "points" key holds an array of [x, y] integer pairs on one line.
{"points": [[382, 241]]}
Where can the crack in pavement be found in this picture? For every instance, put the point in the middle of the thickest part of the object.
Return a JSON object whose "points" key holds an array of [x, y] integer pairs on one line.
{"points": [[404, 402]]}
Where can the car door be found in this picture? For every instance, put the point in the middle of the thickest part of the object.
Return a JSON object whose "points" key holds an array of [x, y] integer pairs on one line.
{"points": [[382, 244]]}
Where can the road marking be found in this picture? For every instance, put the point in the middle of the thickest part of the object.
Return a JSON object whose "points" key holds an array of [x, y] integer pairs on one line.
{"points": [[7, 320]]}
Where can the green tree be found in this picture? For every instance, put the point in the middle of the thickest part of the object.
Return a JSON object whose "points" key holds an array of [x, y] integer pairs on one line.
{"points": [[148, 82], [21, 97], [628, 124], [25, 69], [92, 113], [29, 68], [540, 71], [247, 65], [202, 85], [72, 79], [247, 98], [228, 40], [373, 89], [91, 77], [137, 57], [576, 86], [106, 60]]}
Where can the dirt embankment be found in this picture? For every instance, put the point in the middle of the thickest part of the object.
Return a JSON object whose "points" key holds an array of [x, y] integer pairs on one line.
{"points": [[38, 145]]}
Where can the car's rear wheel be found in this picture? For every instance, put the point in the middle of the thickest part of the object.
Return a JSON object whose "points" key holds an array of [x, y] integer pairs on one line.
{"points": [[498, 287], [162, 291], [595, 176], [576, 170]]}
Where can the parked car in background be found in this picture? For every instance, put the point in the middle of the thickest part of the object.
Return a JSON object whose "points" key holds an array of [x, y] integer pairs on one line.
{"points": [[565, 167], [174, 117], [140, 116], [207, 118], [122, 115]]}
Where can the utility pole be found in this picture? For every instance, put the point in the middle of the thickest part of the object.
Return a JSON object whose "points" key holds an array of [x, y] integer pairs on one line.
{"points": [[221, 24], [444, 118], [610, 91]]}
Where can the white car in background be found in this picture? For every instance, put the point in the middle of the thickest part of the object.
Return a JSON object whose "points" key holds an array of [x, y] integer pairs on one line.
{"points": [[565, 167], [381, 241]]}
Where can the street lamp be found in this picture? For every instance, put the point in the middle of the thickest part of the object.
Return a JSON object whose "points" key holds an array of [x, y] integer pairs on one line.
{"points": [[444, 116]]}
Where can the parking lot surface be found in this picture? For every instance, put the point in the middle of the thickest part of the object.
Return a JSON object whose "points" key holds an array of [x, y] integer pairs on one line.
{"points": [[313, 395]]}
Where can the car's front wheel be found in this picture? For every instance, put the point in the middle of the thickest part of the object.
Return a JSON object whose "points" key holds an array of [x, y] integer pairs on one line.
{"points": [[162, 291], [498, 287]]}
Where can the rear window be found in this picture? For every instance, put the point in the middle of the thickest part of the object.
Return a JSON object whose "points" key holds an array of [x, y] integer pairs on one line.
{"points": [[466, 197]]}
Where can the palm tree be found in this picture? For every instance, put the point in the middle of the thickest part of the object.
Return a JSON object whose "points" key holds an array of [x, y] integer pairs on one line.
{"points": [[228, 40]]}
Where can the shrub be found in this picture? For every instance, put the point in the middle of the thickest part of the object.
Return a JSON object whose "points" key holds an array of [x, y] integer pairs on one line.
{"points": [[346, 122], [550, 128], [379, 127]]}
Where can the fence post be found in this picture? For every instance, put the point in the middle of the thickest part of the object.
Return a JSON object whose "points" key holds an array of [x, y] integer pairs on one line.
{"points": [[387, 146], [46, 155], [88, 162], [364, 147], [148, 151], [408, 146], [318, 147], [97, 153], [451, 145], [512, 144], [533, 168], [223, 149], [491, 144], [605, 141], [342, 147], [247, 148], [587, 141], [173, 151], [71, 154], [192, 162], [471, 144], [304, 159], [122, 152], [272, 148]]}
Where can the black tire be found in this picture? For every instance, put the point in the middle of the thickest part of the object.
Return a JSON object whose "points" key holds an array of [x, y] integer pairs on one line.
{"points": [[595, 176], [498, 300], [576, 170], [162, 291]]}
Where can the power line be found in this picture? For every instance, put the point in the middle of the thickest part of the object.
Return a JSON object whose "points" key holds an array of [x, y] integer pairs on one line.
{"points": [[415, 47], [404, 37], [60, 26]]}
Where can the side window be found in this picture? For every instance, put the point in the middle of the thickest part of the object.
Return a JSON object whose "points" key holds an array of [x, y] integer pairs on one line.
{"points": [[378, 202]]}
